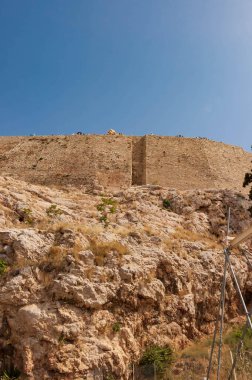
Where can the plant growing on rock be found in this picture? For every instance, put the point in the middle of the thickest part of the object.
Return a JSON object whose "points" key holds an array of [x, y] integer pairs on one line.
{"points": [[53, 211], [3, 266], [160, 357], [116, 327], [105, 207], [166, 204], [26, 216], [62, 338], [10, 375], [102, 249]]}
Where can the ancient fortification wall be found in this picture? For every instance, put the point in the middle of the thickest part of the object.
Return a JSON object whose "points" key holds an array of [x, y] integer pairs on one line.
{"points": [[60, 160], [187, 163], [120, 161]]}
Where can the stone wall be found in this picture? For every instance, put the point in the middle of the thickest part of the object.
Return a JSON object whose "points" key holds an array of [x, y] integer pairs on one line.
{"points": [[60, 160], [187, 163], [119, 161], [177, 162], [138, 160]]}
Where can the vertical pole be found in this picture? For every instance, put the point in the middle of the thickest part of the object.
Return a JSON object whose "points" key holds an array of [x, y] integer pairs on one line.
{"points": [[213, 343], [240, 294], [218, 318], [154, 371], [133, 371], [222, 313], [221, 306], [228, 225]]}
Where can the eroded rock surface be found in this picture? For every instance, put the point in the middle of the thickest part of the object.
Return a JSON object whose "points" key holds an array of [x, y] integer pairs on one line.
{"points": [[89, 288]]}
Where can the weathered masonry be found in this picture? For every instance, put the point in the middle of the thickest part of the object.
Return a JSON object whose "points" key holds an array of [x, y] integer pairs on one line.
{"points": [[121, 161]]}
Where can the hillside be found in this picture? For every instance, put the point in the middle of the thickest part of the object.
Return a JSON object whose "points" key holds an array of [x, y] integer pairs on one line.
{"points": [[90, 281]]}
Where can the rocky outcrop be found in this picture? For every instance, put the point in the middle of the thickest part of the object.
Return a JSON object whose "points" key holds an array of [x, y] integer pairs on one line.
{"points": [[84, 288]]}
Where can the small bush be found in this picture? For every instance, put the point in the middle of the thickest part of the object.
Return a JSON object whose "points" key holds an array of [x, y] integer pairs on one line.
{"points": [[62, 339], [116, 327], [10, 375], [53, 211], [26, 216], [3, 266], [161, 357], [105, 207], [234, 336], [104, 219], [167, 204]]}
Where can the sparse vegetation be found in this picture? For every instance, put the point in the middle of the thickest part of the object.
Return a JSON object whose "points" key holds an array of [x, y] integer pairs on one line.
{"points": [[10, 375], [184, 234], [56, 255], [166, 204], [102, 249], [160, 357], [195, 358], [53, 211], [105, 207], [116, 327], [62, 338], [3, 266], [26, 216]]}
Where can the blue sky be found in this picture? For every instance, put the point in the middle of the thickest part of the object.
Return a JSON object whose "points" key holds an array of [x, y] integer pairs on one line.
{"points": [[166, 67]]}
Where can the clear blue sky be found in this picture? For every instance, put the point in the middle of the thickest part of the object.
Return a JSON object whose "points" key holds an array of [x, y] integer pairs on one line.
{"points": [[138, 66]]}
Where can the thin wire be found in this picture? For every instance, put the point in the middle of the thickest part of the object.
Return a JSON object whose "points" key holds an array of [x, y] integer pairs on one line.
{"points": [[228, 225], [213, 343]]}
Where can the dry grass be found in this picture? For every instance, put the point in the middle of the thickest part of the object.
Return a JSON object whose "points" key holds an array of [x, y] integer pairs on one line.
{"points": [[56, 255], [123, 230], [102, 249], [150, 231], [183, 234], [194, 360], [46, 278]]}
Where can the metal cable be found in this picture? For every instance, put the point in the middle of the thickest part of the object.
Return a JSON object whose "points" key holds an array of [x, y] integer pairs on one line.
{"points": [[239, 293], [216, 328]]}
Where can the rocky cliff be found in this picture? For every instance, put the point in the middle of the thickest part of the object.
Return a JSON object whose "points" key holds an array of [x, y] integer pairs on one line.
{"points": [[88, 281]]}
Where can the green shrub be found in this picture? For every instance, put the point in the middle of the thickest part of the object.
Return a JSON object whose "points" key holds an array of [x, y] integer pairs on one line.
{"points": [[104, 219], [10, 375], [62, 339], [116, 327], [234, 336], [3, 266], [161, 357], [105, 207], [107, 203], [26, 216], [53, 210], [166, 204]]}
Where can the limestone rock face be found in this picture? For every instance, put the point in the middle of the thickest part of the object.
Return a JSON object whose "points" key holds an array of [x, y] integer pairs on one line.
{"points": [[86, 289]]}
